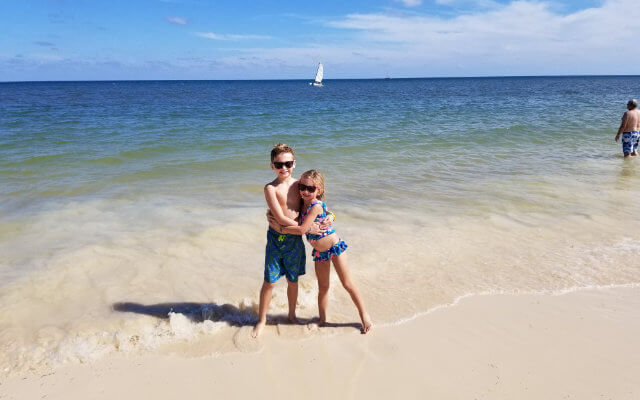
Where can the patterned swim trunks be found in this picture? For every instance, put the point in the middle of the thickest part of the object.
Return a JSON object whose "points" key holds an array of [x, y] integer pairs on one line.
{"points": [[284, 255], [630, 142], [333, 251]]}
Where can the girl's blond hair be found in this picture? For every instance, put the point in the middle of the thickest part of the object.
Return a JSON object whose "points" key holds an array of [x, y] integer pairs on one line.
{"points": [[317, 178]]}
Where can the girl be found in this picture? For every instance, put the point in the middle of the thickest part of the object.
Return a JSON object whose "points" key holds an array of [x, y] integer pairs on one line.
{"points": [[327, 246]]}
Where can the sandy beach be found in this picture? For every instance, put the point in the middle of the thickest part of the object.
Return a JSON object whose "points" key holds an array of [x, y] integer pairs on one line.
{"points": [[578, 345]]}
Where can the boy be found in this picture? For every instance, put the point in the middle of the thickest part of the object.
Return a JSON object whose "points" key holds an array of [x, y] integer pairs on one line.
{"points": [[285, 254], [629, 129]]}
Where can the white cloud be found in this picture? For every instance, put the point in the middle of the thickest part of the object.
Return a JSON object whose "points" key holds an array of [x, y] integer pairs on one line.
{"points": [[410, 3], [178, 20], [520, 38], [43, 58], [470, 3], [522, 27], [226, 36]]}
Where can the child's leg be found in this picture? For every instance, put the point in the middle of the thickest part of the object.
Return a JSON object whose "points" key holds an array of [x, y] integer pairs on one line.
{"points": [[265, 299], [340, 264], [323, 270], [292, 297]]}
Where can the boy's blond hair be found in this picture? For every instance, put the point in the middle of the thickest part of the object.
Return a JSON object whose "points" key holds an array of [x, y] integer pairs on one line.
{"points": [[317, 178], [280, 148]]}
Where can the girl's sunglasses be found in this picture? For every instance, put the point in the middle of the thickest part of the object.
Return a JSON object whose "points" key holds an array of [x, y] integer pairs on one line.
{"points": [[279, 164], [305, 188]]}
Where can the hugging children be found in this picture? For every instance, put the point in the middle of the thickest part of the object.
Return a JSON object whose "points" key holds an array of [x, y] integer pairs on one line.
{"points": [[285, 254]]}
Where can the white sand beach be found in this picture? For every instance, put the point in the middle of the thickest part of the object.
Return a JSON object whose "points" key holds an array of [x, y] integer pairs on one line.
{"points": [[578, 345]]}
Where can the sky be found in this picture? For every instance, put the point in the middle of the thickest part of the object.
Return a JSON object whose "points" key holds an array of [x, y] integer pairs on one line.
{"points": [[242, 39]]}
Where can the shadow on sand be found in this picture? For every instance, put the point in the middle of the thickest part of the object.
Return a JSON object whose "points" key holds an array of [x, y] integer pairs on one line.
{"points": [[200, 312], [196, 312]]}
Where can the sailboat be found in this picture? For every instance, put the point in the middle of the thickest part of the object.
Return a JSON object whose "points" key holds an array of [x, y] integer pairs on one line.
{"points": [[319, 74]]}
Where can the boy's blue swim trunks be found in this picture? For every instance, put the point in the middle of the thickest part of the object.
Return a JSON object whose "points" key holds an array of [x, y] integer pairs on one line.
{"points": [[284, 255], [630, 142]]}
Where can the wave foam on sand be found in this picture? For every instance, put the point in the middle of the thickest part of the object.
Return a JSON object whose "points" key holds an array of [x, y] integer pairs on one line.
{"points": [[581, 344], [187, 275]]}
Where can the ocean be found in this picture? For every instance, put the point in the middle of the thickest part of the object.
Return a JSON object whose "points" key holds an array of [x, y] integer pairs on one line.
{"points": [[132, 215]]}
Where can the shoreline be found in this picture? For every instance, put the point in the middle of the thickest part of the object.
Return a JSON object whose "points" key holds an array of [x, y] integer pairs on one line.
{"points": [[581, 344], [515, 292]]}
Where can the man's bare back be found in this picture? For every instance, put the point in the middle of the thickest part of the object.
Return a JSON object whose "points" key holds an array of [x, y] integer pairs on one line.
{"points": [[630, 121]]}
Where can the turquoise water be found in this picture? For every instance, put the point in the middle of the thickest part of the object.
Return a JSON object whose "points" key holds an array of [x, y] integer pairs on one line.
{"points": [[440, 138], [151, 192]]}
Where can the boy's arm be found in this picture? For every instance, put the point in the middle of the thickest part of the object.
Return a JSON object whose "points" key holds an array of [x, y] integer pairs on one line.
{"points": [[276, 209], [316, 229], [273, 223], [307, 225]]}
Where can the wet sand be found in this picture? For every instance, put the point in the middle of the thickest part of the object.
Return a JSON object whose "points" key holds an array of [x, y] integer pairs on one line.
{"points": [[578, 345]]}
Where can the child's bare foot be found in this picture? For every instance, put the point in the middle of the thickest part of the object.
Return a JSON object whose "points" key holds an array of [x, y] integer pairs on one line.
{"points": [[293, 319], [257, 330], [366, 323]]}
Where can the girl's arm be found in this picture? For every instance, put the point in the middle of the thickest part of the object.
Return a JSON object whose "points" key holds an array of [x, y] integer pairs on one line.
{"points": [[276, 209], [328, 221], [307, 225], [316, 228]]}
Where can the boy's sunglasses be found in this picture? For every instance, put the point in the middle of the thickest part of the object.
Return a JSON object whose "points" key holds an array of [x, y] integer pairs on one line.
{"points": [[306, 188], [279, 164]]}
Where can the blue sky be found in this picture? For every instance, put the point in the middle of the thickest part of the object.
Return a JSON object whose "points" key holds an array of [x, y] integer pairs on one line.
{"points": [[196, 39]]}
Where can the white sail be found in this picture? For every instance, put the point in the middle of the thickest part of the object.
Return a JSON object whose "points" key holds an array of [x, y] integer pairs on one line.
{"points": [[320, 73]]}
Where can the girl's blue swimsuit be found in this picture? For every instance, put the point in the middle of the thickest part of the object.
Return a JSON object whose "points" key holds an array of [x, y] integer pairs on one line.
{"points": [[310, 236], [334, 250]]}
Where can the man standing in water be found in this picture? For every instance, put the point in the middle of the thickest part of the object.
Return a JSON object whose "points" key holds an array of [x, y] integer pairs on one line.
{"points": [[630, 129]]}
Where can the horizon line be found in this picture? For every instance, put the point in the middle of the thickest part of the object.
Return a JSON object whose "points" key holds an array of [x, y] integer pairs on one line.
{"points": [[330, 79]]}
